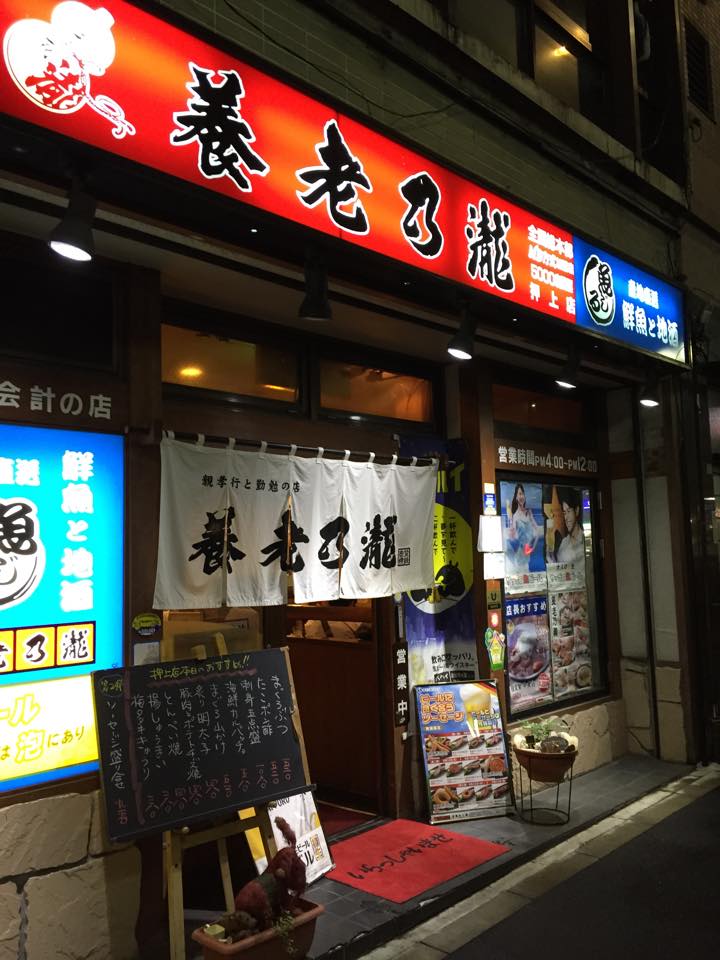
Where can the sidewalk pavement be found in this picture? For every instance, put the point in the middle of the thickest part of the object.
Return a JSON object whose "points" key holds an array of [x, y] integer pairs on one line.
{"points": [[610, 805], [458, 926]]}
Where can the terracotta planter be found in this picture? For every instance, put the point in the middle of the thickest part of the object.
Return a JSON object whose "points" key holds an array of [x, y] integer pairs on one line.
{"points": [[266, 945], [545, 767]]}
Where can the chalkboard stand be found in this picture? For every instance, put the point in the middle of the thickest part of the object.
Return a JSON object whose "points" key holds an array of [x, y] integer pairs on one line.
{"points": [[176, 842]]}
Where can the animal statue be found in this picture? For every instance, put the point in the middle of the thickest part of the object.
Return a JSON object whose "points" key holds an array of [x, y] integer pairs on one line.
{"points": [[277, 888]]}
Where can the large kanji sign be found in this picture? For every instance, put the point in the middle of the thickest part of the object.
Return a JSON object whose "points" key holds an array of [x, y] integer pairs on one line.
{"points": [[120, 79]]}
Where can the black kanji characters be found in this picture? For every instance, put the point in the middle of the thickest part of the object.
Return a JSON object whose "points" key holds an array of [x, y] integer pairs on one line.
{"points": [[216, 541], [17, 528], [379, 544], [214, 121], [35, 648], [336, 530], [336, 182], [488, 250], [422, 196], [285, 548]]}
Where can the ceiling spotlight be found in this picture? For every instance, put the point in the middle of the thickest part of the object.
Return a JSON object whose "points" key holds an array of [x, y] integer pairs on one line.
{"points": [[567, 378], [315, 305], [650, 394], [462, 343], [73, 236]]}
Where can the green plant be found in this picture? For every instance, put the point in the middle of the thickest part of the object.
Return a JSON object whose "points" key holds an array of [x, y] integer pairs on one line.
{"points": [[284, 926], [543, 727]]}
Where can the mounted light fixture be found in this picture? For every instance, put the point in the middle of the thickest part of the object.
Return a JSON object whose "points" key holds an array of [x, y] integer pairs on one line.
{"points": [[315, 305], [73, 237], [462, 343], [567, 378], [650, 394]]}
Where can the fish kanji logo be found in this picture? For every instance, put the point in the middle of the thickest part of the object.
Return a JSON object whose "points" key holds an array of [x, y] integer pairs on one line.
{"points": [[53, 63], [22, 553]]}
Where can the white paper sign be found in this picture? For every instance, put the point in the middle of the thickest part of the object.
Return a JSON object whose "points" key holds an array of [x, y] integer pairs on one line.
{"points": [[494, 566], [490, 535], [311, 845]]}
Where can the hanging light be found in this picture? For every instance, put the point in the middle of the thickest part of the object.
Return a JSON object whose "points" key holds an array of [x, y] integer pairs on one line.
{"points": [[315, 305], [567, 378], [650, 394], [462, 343], [73, 237]]}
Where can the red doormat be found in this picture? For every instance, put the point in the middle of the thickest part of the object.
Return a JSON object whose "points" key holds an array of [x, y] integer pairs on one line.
{"points": [[402, 859]]}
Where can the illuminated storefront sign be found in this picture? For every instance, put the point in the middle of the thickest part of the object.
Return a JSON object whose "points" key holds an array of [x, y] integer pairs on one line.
{"points": [[61, 588], [205, 117], [616, 299]]}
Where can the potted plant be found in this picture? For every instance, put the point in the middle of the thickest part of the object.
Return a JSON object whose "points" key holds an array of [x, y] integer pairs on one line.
{"points": [[545, 749], [290, 935]]}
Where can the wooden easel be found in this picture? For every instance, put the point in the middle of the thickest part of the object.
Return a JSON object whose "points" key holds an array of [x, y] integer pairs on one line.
{"points": [[175, 842]]}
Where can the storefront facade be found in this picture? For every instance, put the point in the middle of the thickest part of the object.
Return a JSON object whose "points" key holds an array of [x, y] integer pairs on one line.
{"points": [[203, 264]]}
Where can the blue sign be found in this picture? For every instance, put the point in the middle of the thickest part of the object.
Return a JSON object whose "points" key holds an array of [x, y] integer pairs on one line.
{"points": [[490, 504], [621, 302], [61, 553]]}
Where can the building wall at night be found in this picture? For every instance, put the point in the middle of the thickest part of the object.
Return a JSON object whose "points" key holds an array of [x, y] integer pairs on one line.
{"points": [[406, 68]]}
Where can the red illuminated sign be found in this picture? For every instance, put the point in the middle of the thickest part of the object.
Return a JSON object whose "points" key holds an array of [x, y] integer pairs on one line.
{"points": [[122, 80]]}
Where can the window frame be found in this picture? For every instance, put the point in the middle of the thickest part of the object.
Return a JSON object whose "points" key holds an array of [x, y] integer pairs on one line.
{"points": [[308, 352], [692, 30], [385, 361], [222, 324], [602, 691]]}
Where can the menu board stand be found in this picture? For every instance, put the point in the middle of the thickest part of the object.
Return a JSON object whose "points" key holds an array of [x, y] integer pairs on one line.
{"points": [[180, 836]]}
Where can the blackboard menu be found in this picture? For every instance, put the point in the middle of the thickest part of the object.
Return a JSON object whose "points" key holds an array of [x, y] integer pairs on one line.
{"points": [[189, 740]]}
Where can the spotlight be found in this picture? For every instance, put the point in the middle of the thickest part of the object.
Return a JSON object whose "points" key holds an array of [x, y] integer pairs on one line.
{"points": [[567, 378], [315, 305], [650, 394], [462, 343], [73, 236]]}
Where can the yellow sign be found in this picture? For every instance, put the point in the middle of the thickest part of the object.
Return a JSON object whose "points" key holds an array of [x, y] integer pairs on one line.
{"points": [[35, 648], [46, 725]]}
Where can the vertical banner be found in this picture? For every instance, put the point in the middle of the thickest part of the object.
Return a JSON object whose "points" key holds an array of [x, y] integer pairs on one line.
{"points": [[528, 645], [564, 536], [463, 744], [523, 534], [440, 621]]}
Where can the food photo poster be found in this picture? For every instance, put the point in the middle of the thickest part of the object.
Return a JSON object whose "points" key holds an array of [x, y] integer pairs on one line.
{"points": [[464, 751], [528, 652], [523, 537], [570, 642]]}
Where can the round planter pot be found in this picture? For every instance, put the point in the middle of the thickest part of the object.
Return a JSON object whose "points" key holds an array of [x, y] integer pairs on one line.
{"points": [[545, 767], [266, 945]]}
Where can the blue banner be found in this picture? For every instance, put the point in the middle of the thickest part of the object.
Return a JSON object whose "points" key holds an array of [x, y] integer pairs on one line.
{"points": [[622, 302]]}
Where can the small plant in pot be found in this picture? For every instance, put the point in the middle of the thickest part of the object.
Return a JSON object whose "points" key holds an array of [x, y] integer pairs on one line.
{"points": [[270, 920], [545, 749]]}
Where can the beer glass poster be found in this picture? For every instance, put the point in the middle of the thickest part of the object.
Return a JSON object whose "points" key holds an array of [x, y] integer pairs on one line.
{"points": [[528, 657], [466, 767], [523, 537]]}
